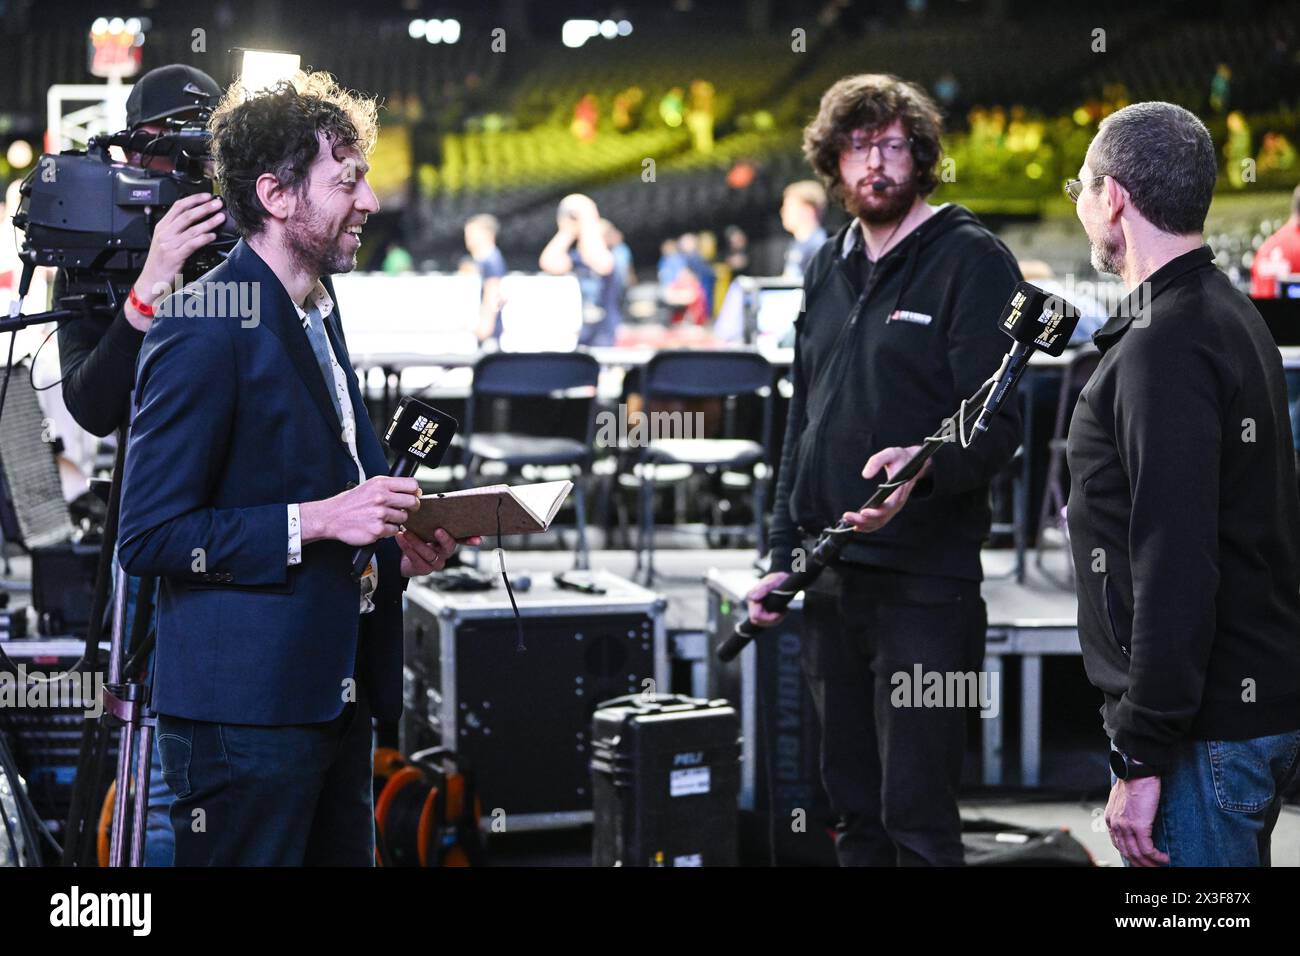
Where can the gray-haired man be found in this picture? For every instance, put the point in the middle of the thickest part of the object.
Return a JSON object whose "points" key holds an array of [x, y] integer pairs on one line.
{"points": [[1184, 519]]}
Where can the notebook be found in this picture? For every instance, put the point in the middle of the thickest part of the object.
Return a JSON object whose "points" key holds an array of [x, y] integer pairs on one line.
{"points": [[523, 509]]}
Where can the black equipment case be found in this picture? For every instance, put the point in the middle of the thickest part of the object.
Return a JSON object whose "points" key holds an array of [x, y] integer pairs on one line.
{"points": [[519, 722], [665, 774]]}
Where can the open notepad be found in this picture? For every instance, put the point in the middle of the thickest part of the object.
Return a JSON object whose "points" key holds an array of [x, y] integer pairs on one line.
{"points": [[522, 509]]}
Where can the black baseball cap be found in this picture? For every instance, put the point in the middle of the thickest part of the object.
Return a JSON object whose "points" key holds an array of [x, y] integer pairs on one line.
{"points": [[166, 91]]}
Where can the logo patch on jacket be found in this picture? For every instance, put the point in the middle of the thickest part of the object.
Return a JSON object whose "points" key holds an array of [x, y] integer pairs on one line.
{"points": [[902, 315]]}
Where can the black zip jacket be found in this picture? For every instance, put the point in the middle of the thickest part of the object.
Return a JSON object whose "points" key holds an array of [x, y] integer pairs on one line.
{"points": [[1184, 519], [97, 358], [884, 368]]}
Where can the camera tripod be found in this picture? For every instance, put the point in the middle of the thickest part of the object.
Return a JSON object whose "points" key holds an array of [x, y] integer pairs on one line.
{"points": [[125, 694], [125, 704]]}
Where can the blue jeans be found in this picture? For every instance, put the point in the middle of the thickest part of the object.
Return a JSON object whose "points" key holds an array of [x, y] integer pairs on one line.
{"points": [[159, 844], [1220, 800], [272, 796]]}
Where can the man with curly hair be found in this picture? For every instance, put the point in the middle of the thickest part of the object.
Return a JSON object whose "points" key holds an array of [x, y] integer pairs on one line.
{"points": [[899, 325], [252, 475]]}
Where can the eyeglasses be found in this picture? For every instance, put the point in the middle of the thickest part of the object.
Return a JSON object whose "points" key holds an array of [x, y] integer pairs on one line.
{"points": [[1074, 187], [892, 147]]}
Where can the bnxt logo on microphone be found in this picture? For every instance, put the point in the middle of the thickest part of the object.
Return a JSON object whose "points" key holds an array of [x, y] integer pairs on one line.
{"points": [[1054, 321], [1013, 316], [424, 443], [1051, 320]]}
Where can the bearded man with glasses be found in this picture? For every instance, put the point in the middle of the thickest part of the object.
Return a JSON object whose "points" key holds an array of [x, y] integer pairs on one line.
{"points": [[899, 325]]}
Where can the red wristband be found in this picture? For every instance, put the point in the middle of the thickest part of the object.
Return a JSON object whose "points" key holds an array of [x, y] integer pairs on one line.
{"points": [[140, 306]]}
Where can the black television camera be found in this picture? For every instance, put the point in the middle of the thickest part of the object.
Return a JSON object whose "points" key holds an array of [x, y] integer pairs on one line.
{"points": [[94, 218]]}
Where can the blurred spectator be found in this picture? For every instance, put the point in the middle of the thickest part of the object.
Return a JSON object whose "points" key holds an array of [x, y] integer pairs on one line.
{"points": [[481, 244], [1237, 150], [737, 251], [397, 260], [1276, 154], [622, 254], [579, 248], [1024, 135], [946, 90], [585, 117], [695, 261], [708, 248], [670, 262], [681, 282], [1279, 256], [717, 272], [699, 116], [686, 299], [802, 207], [627, 109], [1221, 89], [673, 107]]}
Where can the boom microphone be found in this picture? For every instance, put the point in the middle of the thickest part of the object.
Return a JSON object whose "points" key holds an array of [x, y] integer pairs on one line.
{"points": [[1038, 322], [421, 435]]}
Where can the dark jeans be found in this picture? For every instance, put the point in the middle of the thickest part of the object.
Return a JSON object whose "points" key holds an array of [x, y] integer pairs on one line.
{"points": [[891, 771], [298, 795]]}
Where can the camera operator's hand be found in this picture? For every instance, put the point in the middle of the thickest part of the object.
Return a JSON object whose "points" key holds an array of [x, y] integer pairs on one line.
{"points": [[189, 225], [375, 509]]}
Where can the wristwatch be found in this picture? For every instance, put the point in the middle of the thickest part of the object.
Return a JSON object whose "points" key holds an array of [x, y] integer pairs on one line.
{"points": [[1125, 767]]}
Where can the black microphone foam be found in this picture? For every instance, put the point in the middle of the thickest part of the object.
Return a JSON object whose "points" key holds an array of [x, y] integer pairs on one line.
{"points": [[1039, 319], [1038, 322], [880, 185], [420, 435]]}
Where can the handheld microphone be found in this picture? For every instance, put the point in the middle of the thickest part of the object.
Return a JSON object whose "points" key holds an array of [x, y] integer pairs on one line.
{"points": [[1038, 322], [421, 435]]}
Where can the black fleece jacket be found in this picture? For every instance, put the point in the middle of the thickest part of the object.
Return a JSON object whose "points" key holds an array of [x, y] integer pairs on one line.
{"points": [[97, 359], [883, 366], [1184, 519]]}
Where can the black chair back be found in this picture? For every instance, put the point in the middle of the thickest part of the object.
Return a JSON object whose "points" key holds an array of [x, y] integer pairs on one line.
{"points": [[711, 373], [696, 373], [522, 375], [534, 374]]}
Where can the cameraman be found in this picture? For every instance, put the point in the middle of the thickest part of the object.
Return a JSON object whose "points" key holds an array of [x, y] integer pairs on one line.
{"points": [[97, 356]]}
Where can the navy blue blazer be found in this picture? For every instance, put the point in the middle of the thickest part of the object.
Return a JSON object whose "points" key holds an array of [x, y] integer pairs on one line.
{"points": [[232, 423]]}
